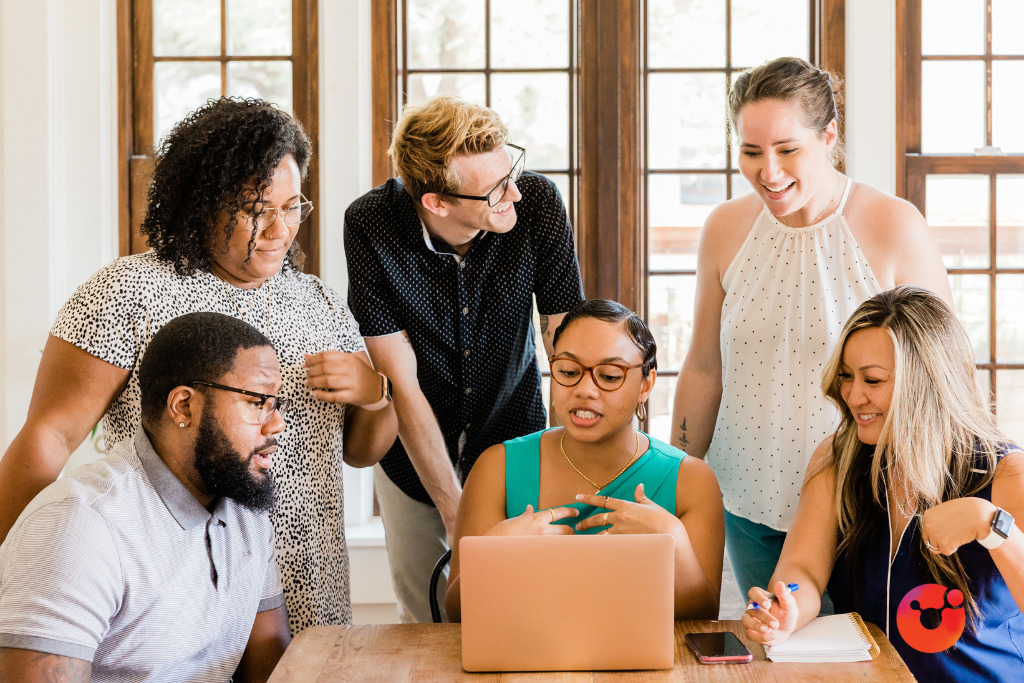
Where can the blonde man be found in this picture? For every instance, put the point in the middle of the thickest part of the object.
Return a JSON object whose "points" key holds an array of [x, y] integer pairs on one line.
{"points": [[444, 263]]}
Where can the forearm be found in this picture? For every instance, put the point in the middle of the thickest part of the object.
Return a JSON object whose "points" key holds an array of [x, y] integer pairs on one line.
{"points": [[453, 601], [696, 595], [694, 411], [369, 434], [421, 436], [32, 462], [808, 597]]}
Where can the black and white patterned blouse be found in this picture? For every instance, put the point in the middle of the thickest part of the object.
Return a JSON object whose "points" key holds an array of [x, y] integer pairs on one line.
{"points": [[115, 314], [469, 318]]}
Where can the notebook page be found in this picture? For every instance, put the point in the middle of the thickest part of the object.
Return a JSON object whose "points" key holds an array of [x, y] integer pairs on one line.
{"points": [[837, 635]]}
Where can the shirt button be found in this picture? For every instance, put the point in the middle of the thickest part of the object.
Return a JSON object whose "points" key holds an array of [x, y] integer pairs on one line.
{"points": [[467, 425], [462, 264], [469, 390], [466, 352], [465, 311]]}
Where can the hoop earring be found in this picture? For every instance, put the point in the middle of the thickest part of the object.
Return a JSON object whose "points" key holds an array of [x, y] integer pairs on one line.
{"points": [[641, 412]]}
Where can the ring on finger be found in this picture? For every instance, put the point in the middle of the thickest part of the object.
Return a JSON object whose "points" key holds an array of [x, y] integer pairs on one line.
{"points": [[553, 518], [606, 501], [606, 519]]}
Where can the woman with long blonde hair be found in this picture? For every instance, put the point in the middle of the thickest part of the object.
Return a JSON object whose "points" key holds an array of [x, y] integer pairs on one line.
{"points": [[916, 487]]}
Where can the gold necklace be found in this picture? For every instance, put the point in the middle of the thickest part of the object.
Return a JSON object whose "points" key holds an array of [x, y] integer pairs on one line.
{"points": [[636, 451], [227, 288]]}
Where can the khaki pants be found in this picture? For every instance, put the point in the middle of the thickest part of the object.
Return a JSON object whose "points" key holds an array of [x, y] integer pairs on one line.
{"points": [[415, 538]]}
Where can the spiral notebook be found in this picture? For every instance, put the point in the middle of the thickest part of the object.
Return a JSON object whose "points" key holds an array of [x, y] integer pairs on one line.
{"points": [[835, 638]]}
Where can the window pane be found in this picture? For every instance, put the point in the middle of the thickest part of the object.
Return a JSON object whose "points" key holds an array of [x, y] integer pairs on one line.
{"points": [[1009, 323], [1007, 104], [259, 27], [953, 27], [446, 34], [659, 406], [186, 28], [952, 119], [536, 109], [740, 186], [1010, 221], [957, 211], [1007, 18], [685, 33], [180, 87], [561, 181], [529, 33], [670, 316], [686, 120], [678, 205], [271, 81], [983, 378], [765, 30], [470, 87], [971, 303], [1010, 404]]}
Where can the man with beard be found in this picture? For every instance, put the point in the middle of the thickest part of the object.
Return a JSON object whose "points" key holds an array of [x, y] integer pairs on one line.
{"points": [[157, 561]]}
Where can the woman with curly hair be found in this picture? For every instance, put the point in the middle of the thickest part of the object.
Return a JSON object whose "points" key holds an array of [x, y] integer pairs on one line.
{"points": [[223, 210], [916, 491]]}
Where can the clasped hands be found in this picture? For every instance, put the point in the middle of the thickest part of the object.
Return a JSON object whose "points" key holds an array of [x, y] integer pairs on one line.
{"points": [[340, 377], [622, 517]]}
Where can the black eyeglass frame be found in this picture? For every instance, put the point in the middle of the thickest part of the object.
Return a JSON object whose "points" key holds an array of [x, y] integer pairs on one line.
{"points": [[590, 369], [503, 183], [279, 403]]}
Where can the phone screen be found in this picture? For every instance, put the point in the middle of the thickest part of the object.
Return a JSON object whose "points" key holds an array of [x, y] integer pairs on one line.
{"points": [[721, 646]]}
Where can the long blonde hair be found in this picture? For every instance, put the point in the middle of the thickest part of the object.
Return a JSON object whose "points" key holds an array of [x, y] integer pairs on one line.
{"points": [[937, 430]]}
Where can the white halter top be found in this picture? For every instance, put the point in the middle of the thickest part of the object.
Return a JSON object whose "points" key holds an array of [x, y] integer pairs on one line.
{"points": [[788, 293]]}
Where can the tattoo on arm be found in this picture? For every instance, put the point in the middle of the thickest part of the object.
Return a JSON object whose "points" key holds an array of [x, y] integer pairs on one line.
{"points": [[683, 441], [54, 668], [544, 325]]}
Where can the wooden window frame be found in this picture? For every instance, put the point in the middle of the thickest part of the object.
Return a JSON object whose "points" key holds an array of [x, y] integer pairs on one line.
{"points": [[135, 115], [913, 166], [609, 215]]}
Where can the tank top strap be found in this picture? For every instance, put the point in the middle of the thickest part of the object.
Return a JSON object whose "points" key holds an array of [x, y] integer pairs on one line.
{"points": [[847, 193]]}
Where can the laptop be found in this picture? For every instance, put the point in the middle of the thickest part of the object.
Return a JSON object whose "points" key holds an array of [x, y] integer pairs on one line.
{"points": [[567, 603]]}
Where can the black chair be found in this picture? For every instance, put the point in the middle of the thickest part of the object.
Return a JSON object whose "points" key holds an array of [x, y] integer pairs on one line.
{"points": [[435, 576]]}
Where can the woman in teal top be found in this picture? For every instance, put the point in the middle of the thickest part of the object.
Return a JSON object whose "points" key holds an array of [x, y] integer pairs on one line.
{"points": [[597, 473]]}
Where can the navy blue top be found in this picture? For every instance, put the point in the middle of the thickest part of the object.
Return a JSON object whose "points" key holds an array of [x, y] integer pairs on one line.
{"points": [[992, 652], [469, 318]]}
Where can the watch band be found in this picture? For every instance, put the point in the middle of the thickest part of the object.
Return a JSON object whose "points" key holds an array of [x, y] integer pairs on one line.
{"points": [[999, 529]]}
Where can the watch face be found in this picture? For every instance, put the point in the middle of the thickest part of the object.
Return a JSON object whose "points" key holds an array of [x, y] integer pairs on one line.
{"points": [[1002, 523]]}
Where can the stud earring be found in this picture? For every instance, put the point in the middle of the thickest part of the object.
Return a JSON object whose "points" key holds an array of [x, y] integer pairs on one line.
{"points": [[181, 424]]}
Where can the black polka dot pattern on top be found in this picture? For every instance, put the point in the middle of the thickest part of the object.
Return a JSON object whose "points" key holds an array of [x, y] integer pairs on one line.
{"points": [[788, 293], [115, 314], [469, 319]]}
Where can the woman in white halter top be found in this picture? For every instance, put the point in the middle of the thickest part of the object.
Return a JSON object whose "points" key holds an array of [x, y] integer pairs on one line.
{"points": [[778, 273]]}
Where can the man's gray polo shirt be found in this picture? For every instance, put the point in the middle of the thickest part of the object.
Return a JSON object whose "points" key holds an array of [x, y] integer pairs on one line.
{"points": [[118, 564]]}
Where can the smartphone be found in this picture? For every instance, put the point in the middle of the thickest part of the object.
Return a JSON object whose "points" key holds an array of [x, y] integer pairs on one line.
{"points": [[721, 647]]}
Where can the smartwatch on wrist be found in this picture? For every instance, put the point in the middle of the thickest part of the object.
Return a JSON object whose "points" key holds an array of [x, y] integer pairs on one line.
{"points": [[385, 390], [1002, 524]]}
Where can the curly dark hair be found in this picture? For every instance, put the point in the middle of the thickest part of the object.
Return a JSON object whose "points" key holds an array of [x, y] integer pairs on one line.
{"points": [[209, 161]]}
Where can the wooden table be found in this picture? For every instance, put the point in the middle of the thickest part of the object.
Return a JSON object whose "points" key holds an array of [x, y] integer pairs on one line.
{"points": [[433, 652]]}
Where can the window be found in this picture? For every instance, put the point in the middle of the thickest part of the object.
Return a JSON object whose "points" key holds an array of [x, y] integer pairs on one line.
{"points": [[693, 50], [176, 54], [960, 160]]}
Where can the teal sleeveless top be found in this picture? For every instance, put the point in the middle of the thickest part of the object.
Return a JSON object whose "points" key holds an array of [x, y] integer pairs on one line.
{"points": [[657, 469]]}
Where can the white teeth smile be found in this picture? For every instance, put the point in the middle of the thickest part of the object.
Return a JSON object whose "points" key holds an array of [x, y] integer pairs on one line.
{"points": [[869, 416], [777, 189], [584, 414], [502, 208]]}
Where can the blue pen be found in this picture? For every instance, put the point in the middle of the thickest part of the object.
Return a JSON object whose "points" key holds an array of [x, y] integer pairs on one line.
{"points": [[771, 596]]}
